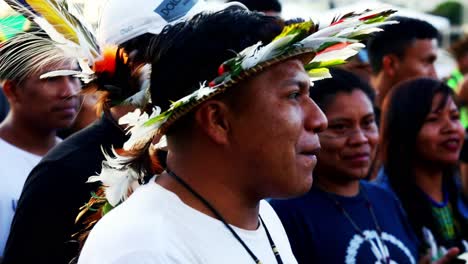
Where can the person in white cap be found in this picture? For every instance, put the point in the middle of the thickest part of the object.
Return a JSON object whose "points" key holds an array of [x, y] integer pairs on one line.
{"points": [[56, 188], [125, 20]]}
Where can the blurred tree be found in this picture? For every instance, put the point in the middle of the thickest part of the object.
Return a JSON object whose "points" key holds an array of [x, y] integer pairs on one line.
{"points": [[452, 10]]}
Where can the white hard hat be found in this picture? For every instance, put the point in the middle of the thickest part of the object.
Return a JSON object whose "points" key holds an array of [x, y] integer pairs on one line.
{"points": [[122, 20]]}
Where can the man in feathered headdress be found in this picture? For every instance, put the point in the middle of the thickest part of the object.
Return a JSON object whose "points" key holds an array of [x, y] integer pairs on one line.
{"points": [[56, 188], [232, 96], [39, 106]]}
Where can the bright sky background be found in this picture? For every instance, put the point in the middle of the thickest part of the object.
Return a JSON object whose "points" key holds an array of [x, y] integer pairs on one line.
{"points": [[291, 8]]}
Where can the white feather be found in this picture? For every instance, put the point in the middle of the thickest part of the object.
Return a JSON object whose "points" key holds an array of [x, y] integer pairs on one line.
{"points": [[331, 31], [80, 45], [259, 54], [28, 54], [364, 29], [162, 144], [318, 42], [140, 132], [57, 73], [116, 182]]}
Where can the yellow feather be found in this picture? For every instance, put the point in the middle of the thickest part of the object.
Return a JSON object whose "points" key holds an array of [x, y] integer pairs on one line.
{"points": [[295, 28], [50, 10]]}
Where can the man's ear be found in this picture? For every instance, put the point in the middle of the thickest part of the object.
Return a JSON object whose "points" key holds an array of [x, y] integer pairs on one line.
{"points": [[10, 89], [212, 117], [390, 65]]}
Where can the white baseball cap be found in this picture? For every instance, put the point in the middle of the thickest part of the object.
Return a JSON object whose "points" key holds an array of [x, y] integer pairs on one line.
{"points": [[122, 20]]}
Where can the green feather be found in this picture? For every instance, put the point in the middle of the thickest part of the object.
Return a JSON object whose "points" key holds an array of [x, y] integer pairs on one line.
{"points": [[324, 64], [106, 208], [301, 29], [318, 72]]}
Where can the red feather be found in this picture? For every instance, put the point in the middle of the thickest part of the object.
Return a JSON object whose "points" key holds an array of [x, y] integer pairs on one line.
{"points": [[108, 62], [336, 46]]}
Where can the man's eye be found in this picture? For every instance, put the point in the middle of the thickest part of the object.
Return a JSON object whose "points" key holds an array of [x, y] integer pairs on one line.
{"points": [[337, 127], [369, 122], [431, 119], [294, 95]]}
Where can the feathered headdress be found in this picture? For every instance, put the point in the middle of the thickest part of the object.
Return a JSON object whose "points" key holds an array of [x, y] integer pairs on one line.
{"points": [[60, 34], [318, 47], [325, 47], [65, 30]]}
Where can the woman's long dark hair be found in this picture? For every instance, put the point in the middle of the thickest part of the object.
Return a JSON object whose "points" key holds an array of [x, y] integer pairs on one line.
{"points": [[405, 111]]}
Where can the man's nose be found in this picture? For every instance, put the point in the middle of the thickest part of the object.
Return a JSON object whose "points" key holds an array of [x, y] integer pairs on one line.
{"points": [[316, 120], [432, 72], [69, 87]]}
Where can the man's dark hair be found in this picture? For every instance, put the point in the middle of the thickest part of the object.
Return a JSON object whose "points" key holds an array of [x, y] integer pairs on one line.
{"points": [[394, 39], [189, 53], [138, 45], [260, 5], [324, 91]]}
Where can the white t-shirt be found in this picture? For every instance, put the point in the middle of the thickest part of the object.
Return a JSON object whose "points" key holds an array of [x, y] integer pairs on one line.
{"points": [[15, 166], [155, 226]]}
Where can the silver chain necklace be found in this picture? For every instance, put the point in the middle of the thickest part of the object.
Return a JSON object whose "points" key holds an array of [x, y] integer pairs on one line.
{"points": [[380, 246]]}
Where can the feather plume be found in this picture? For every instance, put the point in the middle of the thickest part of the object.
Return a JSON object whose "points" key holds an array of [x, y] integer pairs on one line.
{"points": [[114, 74], [318, 74], [290, 34], [62, 21], [352, 22], [107, 61], [141, 131], [143, 97], [297, 29], [68, 31], [64, 26], [117, 182], [29, 54], [121, 174], [60, 73]]}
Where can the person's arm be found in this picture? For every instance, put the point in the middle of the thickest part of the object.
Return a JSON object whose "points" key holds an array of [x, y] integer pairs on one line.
{"points": [[448, 258], [464, 177]]}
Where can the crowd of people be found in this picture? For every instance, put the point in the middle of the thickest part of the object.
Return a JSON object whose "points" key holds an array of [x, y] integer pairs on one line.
{"points": [[226, 134]]}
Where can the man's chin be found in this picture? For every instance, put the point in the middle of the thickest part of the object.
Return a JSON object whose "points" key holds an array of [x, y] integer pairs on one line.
{"points": [[297, 190]]}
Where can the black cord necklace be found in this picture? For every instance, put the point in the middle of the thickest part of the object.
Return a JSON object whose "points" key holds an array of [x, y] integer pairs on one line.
{"points": [[381, 247], [220, 217]]}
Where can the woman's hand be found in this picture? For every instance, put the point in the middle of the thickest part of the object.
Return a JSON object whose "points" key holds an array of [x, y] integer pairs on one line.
{"points": [[451, 254]]}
